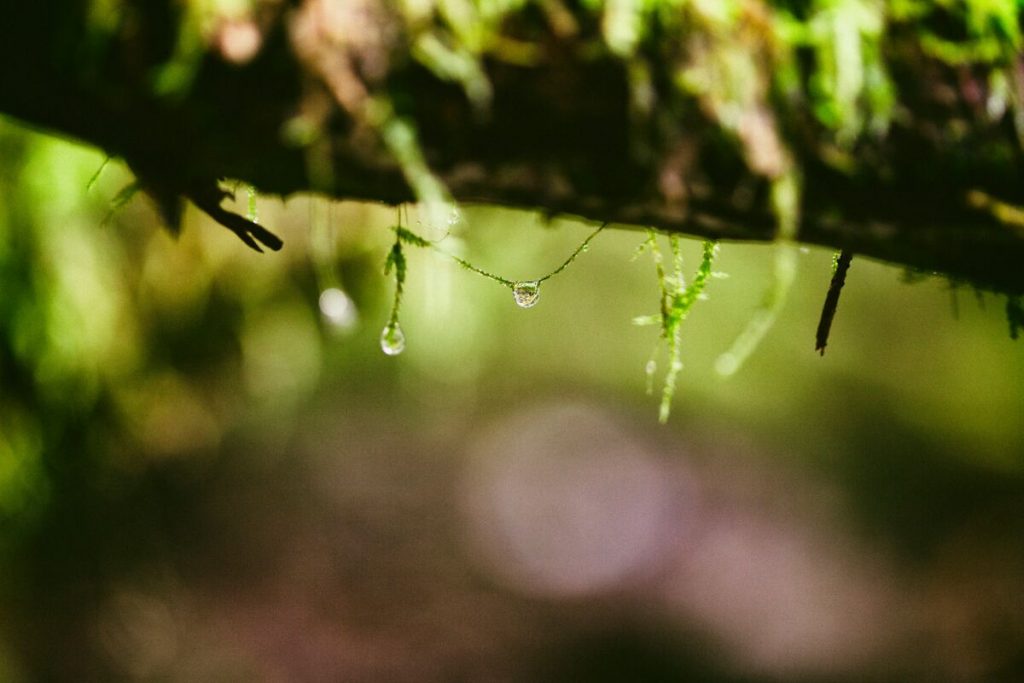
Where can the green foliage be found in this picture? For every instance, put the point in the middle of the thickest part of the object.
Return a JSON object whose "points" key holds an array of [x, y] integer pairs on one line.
{"points": [[850, 87], [991, 29], [409, 237], [252, 209], [676, 299], [396, 262], [116, 340]]}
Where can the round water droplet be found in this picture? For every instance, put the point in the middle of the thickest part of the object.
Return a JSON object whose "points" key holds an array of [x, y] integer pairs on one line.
{"points": [[526, 294], [454, 217], [392, 340], [337, 308]]}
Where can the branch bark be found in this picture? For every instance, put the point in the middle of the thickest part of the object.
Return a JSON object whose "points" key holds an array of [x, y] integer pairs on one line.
{"points": [[298, 96]]}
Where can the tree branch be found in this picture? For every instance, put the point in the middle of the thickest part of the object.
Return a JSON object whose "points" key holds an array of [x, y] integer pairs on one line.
{"points": [[545, 111]]}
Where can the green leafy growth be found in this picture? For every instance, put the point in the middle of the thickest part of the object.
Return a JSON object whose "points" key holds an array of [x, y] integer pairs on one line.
{"points": [[677, 299], [479, 271], [992, 29], [409, 237], [850, 88], [396, 262], [454, 63], [253, 210], [572, 257]]}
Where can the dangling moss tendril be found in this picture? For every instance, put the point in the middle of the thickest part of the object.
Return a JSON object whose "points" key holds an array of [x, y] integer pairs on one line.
{"points": [[677, 299]]}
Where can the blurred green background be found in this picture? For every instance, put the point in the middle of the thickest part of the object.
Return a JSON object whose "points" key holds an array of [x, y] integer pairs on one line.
{"points": [[203, 477]]}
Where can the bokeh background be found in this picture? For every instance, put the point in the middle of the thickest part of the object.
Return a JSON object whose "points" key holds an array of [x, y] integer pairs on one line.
{"points": [[208, 472]]}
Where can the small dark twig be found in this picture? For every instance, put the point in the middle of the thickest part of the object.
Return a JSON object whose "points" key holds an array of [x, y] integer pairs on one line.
{"points": [[208, 198], [828, 311]]}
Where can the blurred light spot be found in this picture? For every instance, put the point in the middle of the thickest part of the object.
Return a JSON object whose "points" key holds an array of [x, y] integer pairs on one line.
{"points": [[784, 599], [563, 503], [239, 40], [169, 416], [338, 309]]}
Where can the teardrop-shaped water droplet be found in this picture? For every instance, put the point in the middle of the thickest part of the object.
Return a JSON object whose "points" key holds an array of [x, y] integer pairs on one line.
{"points": [[526, 294], [392, 339]]}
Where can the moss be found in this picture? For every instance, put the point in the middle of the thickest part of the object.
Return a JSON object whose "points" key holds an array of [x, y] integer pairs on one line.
{"points": [[676, 300]]}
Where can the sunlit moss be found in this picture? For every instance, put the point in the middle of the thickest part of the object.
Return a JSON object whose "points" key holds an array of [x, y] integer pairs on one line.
{"points": [[677, 298]]}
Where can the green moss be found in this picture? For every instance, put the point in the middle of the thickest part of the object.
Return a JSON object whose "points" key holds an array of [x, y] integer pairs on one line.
{"points": [[676, 299]]}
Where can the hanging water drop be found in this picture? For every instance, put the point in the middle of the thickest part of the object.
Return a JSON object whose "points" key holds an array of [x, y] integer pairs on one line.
{"points": [[392, 339], [526, 294]]}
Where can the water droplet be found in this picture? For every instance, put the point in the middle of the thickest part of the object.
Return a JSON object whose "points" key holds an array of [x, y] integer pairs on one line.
{"points": [[337, 308], [454, 217], [526, 294], [649, 370], [392, 339]]}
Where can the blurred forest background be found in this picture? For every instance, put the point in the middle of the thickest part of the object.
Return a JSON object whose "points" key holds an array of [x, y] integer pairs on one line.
{"points": [[206, 477]]}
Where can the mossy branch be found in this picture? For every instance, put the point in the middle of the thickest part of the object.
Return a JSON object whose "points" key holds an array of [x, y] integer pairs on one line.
{"points": [[679, 116]]}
